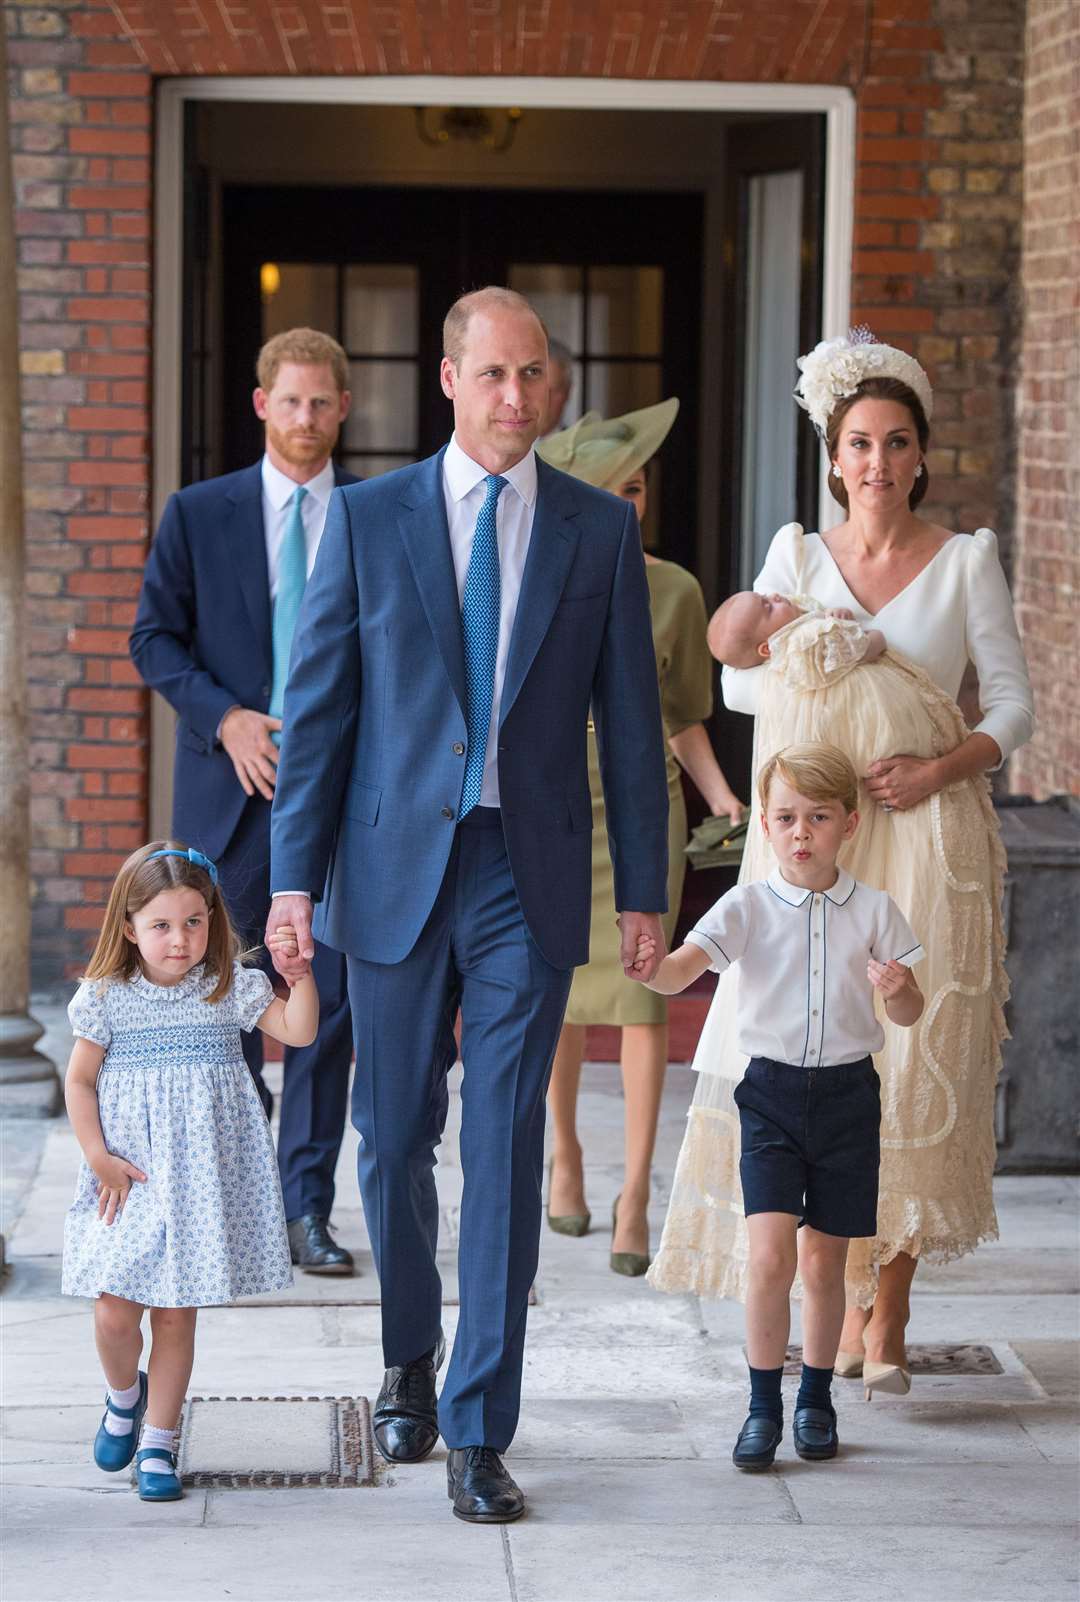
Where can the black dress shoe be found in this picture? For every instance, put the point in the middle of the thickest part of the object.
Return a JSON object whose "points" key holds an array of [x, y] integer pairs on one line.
{"points": [[814, 1429], [480, 1488], [405, 1422], [757, 1443], [314, 1249]]}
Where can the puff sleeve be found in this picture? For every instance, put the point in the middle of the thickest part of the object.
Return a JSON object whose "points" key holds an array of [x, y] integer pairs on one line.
{"points": [[88, 1013], [741, 687], [253, 993], [993, 642]]}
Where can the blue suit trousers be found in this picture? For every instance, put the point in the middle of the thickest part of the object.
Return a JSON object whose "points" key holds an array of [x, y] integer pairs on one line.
{"points": [[475, 953]]}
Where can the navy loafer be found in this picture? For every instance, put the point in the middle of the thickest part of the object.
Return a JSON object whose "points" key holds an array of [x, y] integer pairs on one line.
{"points": [[114, 1452], [757, 1443], [814, 1429], [157, 1487]]}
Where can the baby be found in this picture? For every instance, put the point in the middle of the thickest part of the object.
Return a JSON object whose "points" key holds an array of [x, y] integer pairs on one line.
{"points": [[741, 629]]}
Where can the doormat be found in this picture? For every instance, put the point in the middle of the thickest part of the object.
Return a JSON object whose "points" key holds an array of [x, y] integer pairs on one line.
{"points": [[233, 1442], [941, 1359]]}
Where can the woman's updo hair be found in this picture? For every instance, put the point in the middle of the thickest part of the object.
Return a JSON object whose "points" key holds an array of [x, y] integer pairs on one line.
{"points": [[879, 389]]}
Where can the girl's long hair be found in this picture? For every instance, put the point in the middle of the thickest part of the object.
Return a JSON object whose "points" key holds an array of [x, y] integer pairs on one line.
{"points": [[138, 882]]}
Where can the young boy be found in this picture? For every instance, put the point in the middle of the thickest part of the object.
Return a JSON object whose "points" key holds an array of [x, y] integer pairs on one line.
{"points": [[813, 945]]}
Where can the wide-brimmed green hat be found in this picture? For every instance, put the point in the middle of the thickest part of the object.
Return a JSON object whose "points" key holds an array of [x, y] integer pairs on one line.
{"points": [[606, 451]]}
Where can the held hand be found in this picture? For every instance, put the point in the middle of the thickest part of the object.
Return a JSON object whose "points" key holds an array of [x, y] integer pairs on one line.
{"points": [[246, 737], [899, 783], [844, 612], [284, 941], [289, 924], [635, 927], [888, 977], [115, 1178]]}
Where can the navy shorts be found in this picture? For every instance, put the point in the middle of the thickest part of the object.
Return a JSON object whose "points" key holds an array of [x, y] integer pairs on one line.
{"points": [[811, 1143]]}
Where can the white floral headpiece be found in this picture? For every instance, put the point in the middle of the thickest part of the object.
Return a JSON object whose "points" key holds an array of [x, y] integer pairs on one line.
{"points": [[836, 367]]}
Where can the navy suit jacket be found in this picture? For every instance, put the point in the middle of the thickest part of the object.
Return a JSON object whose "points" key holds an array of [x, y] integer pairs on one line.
{"points": [[373, 754], [202, 638]]}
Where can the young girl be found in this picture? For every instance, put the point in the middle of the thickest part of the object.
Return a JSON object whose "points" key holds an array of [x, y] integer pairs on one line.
{"points": [[178, 1204]]}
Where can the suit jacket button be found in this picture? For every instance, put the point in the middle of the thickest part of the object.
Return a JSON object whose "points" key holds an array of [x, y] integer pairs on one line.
{"points": [[448, 812], [457, 748], [266, 689]]}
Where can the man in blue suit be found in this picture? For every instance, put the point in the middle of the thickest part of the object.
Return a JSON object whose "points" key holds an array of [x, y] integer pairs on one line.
{"points": [[213, 632], [433, 798]]}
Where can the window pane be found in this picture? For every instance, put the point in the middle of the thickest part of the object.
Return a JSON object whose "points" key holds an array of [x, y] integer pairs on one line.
{"points": [[626, 309], [372, 466], [557, 294], [382, 310], [614, 388], [384, 410], [298, 295]]}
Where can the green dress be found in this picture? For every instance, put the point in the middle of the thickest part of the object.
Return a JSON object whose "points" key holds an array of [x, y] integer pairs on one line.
{"points": [[601, 993]]}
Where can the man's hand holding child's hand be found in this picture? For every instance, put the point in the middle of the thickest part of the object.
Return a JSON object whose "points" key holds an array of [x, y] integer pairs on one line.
{"points": [[283, 942]]}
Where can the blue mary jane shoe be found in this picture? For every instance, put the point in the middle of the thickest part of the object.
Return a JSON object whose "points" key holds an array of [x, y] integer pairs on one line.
{"points": [[114, 1452], [157, 1487]]}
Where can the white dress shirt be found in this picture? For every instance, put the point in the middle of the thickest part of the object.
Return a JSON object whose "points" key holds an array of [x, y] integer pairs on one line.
{"points": [[277, 494], [957, 609], [464, 492], [803, 994]]}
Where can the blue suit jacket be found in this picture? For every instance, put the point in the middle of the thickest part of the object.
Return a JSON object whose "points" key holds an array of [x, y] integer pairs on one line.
{"points": [[372, 761], [202, 638]]}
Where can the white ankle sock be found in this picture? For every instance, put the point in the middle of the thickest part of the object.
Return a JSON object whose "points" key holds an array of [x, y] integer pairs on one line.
{"points": [[162, 1441], [129, 1399]]}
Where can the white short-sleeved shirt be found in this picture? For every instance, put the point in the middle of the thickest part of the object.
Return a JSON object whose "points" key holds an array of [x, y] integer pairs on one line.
{"points": [[803, 994]]}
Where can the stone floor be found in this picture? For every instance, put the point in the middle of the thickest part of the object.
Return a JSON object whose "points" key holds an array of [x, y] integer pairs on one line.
{"points": [[964, 1492]]}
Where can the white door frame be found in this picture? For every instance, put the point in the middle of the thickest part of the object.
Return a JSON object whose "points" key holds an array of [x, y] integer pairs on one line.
{"points": [[585, 94]]}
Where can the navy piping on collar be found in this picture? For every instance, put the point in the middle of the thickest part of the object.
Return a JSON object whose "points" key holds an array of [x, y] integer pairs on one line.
{"points": [[713, 942]]}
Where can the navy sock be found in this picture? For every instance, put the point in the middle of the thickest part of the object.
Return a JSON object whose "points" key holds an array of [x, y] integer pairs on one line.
{"points": [[765, 1392], [814, 1387]]}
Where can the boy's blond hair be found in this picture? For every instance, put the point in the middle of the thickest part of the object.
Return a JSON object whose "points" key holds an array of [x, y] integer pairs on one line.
{"points": [[819, 772], [308, 346]]}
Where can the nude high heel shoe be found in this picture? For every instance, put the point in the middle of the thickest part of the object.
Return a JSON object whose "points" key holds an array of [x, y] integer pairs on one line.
{"points": [[891, 1378], [848, 1365]]}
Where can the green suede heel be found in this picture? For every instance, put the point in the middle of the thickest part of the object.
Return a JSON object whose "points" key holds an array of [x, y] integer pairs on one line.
{"points": [[576, 1224], [631, 1264]]}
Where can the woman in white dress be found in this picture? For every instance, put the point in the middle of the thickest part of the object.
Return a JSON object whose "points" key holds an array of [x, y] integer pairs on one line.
{"points": [[941, 599]]}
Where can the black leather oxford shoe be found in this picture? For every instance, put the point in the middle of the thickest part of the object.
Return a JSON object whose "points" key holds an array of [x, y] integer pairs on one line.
{"points": [[480, 1488], [814, 1429], [405, 1422], [757, 1443], [313, 1248]]}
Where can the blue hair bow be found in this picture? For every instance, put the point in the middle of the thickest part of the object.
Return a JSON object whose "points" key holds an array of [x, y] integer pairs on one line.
{"points": [[196, 859]]}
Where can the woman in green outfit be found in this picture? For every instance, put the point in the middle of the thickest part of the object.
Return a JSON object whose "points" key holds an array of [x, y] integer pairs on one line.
{"points": [[614, 454]]}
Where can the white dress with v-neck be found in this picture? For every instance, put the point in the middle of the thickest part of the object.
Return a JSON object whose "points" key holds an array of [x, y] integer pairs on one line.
{"points": [[943, 865]]}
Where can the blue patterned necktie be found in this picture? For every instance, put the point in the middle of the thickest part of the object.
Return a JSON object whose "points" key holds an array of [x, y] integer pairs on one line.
{"points": [[292, 577], [480, 631]]}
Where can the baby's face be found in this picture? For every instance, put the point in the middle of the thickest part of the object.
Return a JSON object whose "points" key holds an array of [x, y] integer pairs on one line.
{"points": [[755, 617]]}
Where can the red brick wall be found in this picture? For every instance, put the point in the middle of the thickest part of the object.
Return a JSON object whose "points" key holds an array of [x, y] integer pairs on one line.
{"points": [[938, 84], [1048, 500]]}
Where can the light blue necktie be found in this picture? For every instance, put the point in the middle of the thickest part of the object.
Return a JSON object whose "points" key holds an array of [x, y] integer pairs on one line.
{"points": [[480, 631], [292, 577]]}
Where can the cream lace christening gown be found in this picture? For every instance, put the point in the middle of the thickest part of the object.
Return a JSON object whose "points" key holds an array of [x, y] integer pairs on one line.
{"points": [[943, 864]]}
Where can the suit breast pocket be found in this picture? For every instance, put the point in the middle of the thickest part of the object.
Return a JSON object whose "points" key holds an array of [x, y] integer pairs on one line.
{"points": [[190, 740], [362, 802]]}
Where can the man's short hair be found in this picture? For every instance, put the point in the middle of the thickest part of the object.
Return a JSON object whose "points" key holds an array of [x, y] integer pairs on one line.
{"points": [[306, 345], [492, 297], [562, 357], [819, 772]]}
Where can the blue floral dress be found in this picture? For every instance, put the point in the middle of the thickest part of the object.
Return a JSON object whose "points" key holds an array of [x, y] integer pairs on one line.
{"points": [[176, 1099]]}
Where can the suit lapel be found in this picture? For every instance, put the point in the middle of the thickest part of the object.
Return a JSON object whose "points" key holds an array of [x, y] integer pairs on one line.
{"points": [[426, 536], [245, 539], [552, 547]]}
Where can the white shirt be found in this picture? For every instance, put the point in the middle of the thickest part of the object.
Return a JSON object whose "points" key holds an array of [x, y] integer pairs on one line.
{"points": [[277, 494], [958, 609], [803, 994], [464, 492]]}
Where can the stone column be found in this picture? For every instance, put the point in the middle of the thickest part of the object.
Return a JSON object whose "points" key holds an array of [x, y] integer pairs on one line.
{"points": [[29, 1084]]}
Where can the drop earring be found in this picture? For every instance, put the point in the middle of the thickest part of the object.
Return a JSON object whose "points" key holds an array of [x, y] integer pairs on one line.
{"points": [[918, 471], [836, 473]]}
